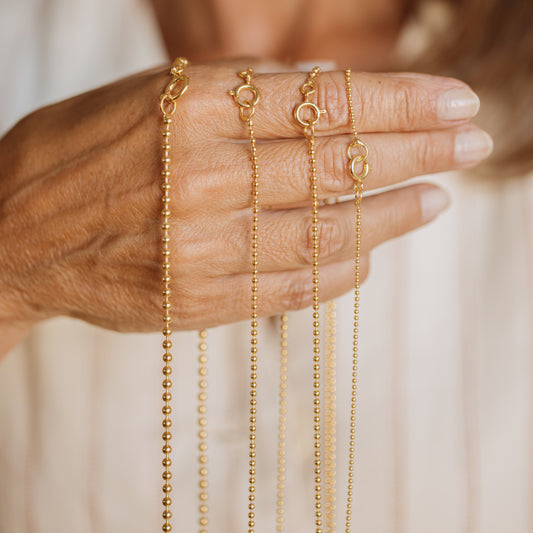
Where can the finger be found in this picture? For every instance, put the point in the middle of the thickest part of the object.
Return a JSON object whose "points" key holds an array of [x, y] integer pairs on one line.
{"points": [[286, 237], [278, 292], [291, 291], [393, 157], [382, 102]]}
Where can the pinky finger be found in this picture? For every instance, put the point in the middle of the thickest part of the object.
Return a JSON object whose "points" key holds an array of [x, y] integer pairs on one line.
{"points": [[287, 291]]}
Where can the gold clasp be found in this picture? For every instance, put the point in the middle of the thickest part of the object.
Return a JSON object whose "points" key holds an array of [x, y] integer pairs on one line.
{"points": [[176, 88], [315, 114], [307, 89], [246, 104]]}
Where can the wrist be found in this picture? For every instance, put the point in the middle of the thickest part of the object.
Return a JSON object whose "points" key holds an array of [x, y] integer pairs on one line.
{"points": [[16, 320], [11, 333]]}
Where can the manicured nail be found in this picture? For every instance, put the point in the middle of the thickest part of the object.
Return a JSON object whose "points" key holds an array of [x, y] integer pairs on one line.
{"points": [[433, 201], [472, 146], [457, 104]]}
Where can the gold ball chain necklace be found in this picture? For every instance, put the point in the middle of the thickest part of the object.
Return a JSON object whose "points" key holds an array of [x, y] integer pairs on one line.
{"points": [[307, 115], [308, 124], [175, 89]]}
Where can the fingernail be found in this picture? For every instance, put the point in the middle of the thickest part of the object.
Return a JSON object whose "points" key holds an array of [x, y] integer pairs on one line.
{"points": [[457, 104], [433, 201], [472, 146]]}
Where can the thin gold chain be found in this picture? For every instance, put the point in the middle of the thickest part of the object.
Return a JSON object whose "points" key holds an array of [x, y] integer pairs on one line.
{"points": [[168, 103], [246, 111], [308, 124], [203, 508], [282, 423], [359, 169], [330, 420]]}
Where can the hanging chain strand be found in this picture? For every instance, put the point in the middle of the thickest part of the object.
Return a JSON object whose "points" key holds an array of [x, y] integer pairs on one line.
{"points": [[282, 423], [246, 111], [168, 103], [203, 508], [330, 420], [359, 169], [308, 124]]}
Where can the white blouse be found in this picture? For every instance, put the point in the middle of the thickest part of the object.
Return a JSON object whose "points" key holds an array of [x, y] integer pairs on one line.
{"points": [[445, 401]]}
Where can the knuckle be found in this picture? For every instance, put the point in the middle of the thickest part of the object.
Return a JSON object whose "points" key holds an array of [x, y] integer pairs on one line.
{"points": [[296, 291], [335, 166], [423, 152], [332, 98], [330, 239], [304, 249], [406, 106]]}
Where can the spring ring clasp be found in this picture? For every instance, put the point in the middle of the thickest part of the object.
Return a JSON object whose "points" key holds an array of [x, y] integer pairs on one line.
{"points": [[245, 103], [176, 87], [312, 109]]}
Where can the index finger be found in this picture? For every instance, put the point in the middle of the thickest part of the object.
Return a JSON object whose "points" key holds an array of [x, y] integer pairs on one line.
{"points": [[389, 102]]}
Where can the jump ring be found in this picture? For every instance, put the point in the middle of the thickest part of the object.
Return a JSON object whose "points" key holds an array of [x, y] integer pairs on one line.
{"points": [[364, 171], [308, 88], [357, 143], [182, 89], [166, 101], [311, 121]]}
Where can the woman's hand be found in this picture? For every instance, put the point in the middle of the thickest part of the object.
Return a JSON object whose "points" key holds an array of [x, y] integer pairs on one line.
{"points": [[80, 196]]}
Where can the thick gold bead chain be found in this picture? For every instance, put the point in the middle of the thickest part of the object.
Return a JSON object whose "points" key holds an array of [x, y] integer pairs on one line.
{"points": [[168, 103], [203, 496]]}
